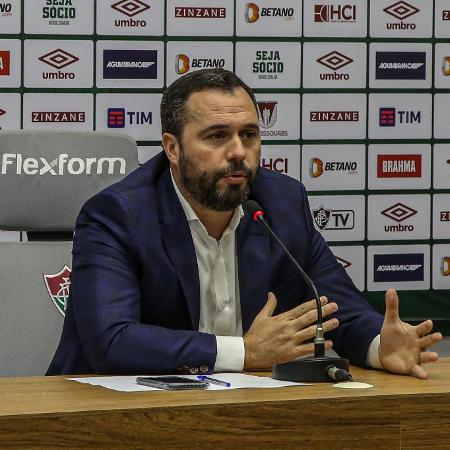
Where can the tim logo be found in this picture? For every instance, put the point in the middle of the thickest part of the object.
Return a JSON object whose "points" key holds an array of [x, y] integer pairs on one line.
{"points": [[58, 287], [445, 266], [5, 63], [390, 117], [334, 13], [327, 219], [251, 12], [120, 118], [267, 112], [398, 267]]}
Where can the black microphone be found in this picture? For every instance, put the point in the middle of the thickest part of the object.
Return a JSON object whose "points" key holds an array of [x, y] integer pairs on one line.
{"points": [[317, 368]]}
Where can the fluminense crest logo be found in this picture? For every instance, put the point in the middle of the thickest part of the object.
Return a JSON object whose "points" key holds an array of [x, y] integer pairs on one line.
{"points": [[334, 219], [251, 12], [334, 60], [130, 8], [401, 10], [445, 266], [58, 59], [315, 167], [399, 212], [321, 216], [182, 64], [267, 112], [58, 287]]}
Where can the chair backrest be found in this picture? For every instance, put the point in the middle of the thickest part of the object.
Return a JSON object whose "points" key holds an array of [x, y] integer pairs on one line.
{"points": [[45, 177]]}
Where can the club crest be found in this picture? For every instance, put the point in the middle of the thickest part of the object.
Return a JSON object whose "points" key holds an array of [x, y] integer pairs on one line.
{"points": [[58, 287], [321, 216]]}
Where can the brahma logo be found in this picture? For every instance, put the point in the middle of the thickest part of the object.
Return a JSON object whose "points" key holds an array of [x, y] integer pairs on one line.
{"points": [[61, 165], [334, 13], [445, 266], [318, 167], [334, 219], [130, 8], [58, 287], [59, 59], [399, 267], [182, 64], [251, 12], [5, 63], [334, 61], [399, 166], [200, 13]]}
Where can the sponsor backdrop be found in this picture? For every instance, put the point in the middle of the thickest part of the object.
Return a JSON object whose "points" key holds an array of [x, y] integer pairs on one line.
{"points": [[353, 99]]}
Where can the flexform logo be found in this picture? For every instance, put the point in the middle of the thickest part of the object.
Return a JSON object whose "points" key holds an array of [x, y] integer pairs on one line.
{"points": [[445, 266], [130, 64], [58, 117], [401, 11], [328, 219], [398, 267], [200, 13], [130, 8], [5, 63], [335, 13], [253, 12], [334, 116], [268, 64], [399, 166], [400, 65], [59, 12], [390, 117], [5, 9], [61, 165], [59, 59], [280, 165], [317, 167], [183, 63], [120, 118], [399, 213], [334, 61]]}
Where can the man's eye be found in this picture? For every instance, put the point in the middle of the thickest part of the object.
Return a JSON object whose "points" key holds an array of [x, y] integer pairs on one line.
{"points": [[251, 135], [217, 136]]}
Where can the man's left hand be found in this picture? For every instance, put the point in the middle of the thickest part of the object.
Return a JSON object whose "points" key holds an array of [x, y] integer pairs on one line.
{"points": [[403, 347]]}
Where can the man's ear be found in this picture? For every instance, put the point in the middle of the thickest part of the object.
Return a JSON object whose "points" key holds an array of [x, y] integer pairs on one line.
{"points": [[171, 147]]}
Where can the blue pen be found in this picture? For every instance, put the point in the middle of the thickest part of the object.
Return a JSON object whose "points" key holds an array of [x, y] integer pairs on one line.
{"points": [[213, 381]]}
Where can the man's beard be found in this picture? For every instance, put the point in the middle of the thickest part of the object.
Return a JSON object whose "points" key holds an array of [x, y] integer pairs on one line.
{"points": [[204, 188]]}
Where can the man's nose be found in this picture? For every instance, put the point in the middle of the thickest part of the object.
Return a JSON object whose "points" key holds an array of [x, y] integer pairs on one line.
{"points": [[236, 149]]}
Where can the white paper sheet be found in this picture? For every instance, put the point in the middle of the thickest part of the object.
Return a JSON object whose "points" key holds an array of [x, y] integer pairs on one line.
{"points": [[237, 380]]}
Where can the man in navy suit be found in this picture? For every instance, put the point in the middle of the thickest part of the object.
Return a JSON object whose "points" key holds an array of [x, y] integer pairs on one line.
{"points": [[170, 275]]}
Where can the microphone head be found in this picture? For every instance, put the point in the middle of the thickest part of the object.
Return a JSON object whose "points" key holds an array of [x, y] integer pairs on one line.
{"points": [[253, 208]]}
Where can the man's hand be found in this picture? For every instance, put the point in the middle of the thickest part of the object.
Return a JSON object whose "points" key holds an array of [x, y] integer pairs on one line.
{"points": [[402, 346], [278, 339]]}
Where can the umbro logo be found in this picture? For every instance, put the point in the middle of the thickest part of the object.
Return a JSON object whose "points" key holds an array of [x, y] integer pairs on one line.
{"points": [[399, 212], [58, 59], [334, 60], [401, 10], [130, 7]]}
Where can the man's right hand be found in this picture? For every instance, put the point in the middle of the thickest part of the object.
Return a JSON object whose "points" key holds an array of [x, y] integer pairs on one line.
{"points": [[277, 339]]}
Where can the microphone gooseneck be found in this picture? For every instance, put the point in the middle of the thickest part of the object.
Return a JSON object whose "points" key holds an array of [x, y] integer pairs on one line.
{"points": [[319, 367]]}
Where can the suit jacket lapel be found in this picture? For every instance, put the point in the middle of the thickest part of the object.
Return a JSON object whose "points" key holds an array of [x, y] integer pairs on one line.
{"points": [[253, 248], [177, 239]]}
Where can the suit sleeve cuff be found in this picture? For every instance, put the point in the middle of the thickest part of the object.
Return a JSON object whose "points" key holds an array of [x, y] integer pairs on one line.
{"points": [[373, 357], [230, 354]]}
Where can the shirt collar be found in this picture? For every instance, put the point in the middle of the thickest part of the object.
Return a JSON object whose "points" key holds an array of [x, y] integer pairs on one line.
{"points": [[191, 216]]}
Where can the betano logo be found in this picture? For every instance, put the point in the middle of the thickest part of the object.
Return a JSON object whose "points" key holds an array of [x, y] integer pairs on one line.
{"points": [[315, 167], [251, 12], [318, 167], [61, 165], [445, 266], [183, 63]]}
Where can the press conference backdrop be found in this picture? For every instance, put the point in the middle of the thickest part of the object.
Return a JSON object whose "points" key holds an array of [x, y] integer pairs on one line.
{"points": [[353, 99]]}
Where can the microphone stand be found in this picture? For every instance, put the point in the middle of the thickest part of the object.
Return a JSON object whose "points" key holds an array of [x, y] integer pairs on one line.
{"points": [[318, 367]]}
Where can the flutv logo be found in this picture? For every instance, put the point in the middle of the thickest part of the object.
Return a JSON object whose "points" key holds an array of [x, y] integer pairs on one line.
{"points": [[61, 165]]}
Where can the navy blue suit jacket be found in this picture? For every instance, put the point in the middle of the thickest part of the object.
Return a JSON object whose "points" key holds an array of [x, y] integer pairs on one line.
{"points": [[134, 305]]}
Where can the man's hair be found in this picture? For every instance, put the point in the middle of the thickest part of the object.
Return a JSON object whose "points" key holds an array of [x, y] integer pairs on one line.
{"points": [[173, 104]]}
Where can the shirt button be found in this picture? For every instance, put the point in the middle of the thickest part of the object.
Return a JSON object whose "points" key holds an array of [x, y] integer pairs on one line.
{"points": [[222, 305]]}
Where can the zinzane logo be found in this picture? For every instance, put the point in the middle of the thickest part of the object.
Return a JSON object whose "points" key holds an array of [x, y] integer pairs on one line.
{"points": [[61, 165], [58, 287]]}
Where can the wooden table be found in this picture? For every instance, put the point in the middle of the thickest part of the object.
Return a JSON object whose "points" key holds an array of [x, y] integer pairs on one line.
{"points": [[400, 412]]}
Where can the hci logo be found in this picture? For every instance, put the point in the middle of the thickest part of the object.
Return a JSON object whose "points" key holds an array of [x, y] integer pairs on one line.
{"points": [[119, 118], [402, 267], [400, 66], [334, 13], [130, 64]]}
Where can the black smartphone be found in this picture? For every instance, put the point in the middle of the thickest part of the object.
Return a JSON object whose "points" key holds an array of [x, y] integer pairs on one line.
{"points": [[172, 383]]}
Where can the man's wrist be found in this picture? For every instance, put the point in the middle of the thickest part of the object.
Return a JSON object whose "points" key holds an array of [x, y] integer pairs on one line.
{"points": [[230, 354]]}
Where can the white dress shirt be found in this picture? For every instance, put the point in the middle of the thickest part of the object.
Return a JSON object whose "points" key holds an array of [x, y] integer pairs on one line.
{"points": [[220, 306]]}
